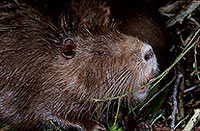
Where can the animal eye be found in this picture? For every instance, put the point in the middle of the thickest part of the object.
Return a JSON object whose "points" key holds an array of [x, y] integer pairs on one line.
{"points": [[101, 52]]}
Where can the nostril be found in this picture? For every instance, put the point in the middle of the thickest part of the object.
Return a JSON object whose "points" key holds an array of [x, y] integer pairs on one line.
{"points": [[148, 55]]}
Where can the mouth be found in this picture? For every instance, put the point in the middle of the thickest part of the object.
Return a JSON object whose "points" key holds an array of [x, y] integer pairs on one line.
{"points": [[142, 90]]}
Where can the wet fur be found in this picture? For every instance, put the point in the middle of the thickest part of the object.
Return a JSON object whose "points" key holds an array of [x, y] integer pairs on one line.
{"points": [[38, 84]]}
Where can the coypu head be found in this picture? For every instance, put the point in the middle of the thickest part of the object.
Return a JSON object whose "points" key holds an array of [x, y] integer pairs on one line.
{"points": [[100, 66], [110, 64]]}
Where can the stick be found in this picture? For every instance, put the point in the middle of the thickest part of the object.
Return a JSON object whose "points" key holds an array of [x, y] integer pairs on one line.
{"points": [[193, 121], [183, 13], [175, 109]]}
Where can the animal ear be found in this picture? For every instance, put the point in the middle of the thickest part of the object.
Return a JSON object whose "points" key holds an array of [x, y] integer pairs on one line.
{"points": [[68, 48]]}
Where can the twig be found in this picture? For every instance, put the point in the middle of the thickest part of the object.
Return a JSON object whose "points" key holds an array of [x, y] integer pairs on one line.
{"points": [[195, 62], [16, 1], [180, 96], [57, 128], [181, 122], [192, 33], [183, 13], [117, 113], [194, 36], [191, 88], [156, 119], [175, 109], [193, 121], [188, 38], [165, 11], [195, 21]]}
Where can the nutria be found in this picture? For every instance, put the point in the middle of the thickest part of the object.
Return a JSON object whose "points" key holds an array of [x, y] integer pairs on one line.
{"points": [[47, 74]]}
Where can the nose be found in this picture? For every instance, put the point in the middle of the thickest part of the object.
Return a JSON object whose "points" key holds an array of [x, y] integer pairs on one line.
{"points": [[148, 52]]}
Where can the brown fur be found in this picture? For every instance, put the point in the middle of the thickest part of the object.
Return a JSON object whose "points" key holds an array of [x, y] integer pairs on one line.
{"points": [[38, 83]]}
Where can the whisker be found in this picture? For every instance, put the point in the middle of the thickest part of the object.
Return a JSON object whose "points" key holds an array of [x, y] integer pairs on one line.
{"points": [[128, 83], [121, 74], [121, 84]]}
